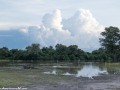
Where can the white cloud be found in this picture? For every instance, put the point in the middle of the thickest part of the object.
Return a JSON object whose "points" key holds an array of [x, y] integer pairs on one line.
{"points": [[53, 20], [12, 26], [81, 29], [24, 30], [85, 29]]}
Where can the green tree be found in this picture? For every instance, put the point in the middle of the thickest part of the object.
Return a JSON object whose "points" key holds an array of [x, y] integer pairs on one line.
{"points": [[4, 53], [13, 53], [111, 41], [61, 52], [33, 52], [48, 53]]}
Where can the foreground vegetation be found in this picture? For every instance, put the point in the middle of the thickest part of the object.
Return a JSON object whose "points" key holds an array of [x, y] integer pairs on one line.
{"points": [[14, 76]]}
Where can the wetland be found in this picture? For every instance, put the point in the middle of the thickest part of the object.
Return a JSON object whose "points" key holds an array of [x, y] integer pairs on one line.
{"points": [[62, 76]]}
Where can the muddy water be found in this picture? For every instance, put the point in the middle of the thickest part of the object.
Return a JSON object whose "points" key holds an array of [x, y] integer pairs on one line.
{"points": [[81, 70], [76, 70]]}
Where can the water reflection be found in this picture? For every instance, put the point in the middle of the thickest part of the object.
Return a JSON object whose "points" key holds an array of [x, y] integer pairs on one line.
{"points": [[53, 72], [90, 71], [87, 70], [67, 74]]}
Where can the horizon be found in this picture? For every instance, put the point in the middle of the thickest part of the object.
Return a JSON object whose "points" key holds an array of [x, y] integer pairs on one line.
{"points": [[66, 22]]}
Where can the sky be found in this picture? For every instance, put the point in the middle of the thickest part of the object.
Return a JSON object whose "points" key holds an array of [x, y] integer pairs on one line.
{"points": [[49, 22]]}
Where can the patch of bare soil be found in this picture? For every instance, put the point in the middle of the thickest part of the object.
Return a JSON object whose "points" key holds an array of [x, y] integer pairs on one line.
{"points": [[105, 82]]}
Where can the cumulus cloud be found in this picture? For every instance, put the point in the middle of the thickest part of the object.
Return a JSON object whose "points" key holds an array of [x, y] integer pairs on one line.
{"points": [[81, 29], [84, 28]]}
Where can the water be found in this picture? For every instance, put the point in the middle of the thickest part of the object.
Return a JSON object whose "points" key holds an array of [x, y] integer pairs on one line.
{"points": [[89, 70], [53, 72]]}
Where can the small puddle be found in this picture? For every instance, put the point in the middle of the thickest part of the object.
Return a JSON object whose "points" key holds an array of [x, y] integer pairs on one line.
{"points": [[53, 72], [67, 74], [60, 66]]}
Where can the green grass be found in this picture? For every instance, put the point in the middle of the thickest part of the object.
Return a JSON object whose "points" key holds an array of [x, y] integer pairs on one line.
{"points": [[8, 78], [4, 60], [111, 66], [12, 76]]}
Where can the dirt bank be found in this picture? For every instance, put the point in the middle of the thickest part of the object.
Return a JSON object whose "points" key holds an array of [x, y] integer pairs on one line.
{"points": [[107, 82]]}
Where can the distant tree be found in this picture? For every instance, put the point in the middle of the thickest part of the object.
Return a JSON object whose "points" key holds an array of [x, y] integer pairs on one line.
{"points": [[48, 53], [13, 54], [33, 52], [4, 53], [111, 41], [61, 52], [75, 53]]}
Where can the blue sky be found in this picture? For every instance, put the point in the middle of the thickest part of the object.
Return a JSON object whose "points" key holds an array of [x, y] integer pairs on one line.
{"points": [[31, 11], [22, 14]]}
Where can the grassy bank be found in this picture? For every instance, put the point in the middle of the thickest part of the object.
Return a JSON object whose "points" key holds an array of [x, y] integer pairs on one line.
{"points": [[12, 76]]}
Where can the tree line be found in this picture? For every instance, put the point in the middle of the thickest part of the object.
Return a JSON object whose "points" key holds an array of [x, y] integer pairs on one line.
{"points": [[108, 52]]}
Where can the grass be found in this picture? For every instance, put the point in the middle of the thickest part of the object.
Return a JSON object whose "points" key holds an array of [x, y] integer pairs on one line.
{"points": [[115, 66], [12, 76], [5, 60], [8, 78]]}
